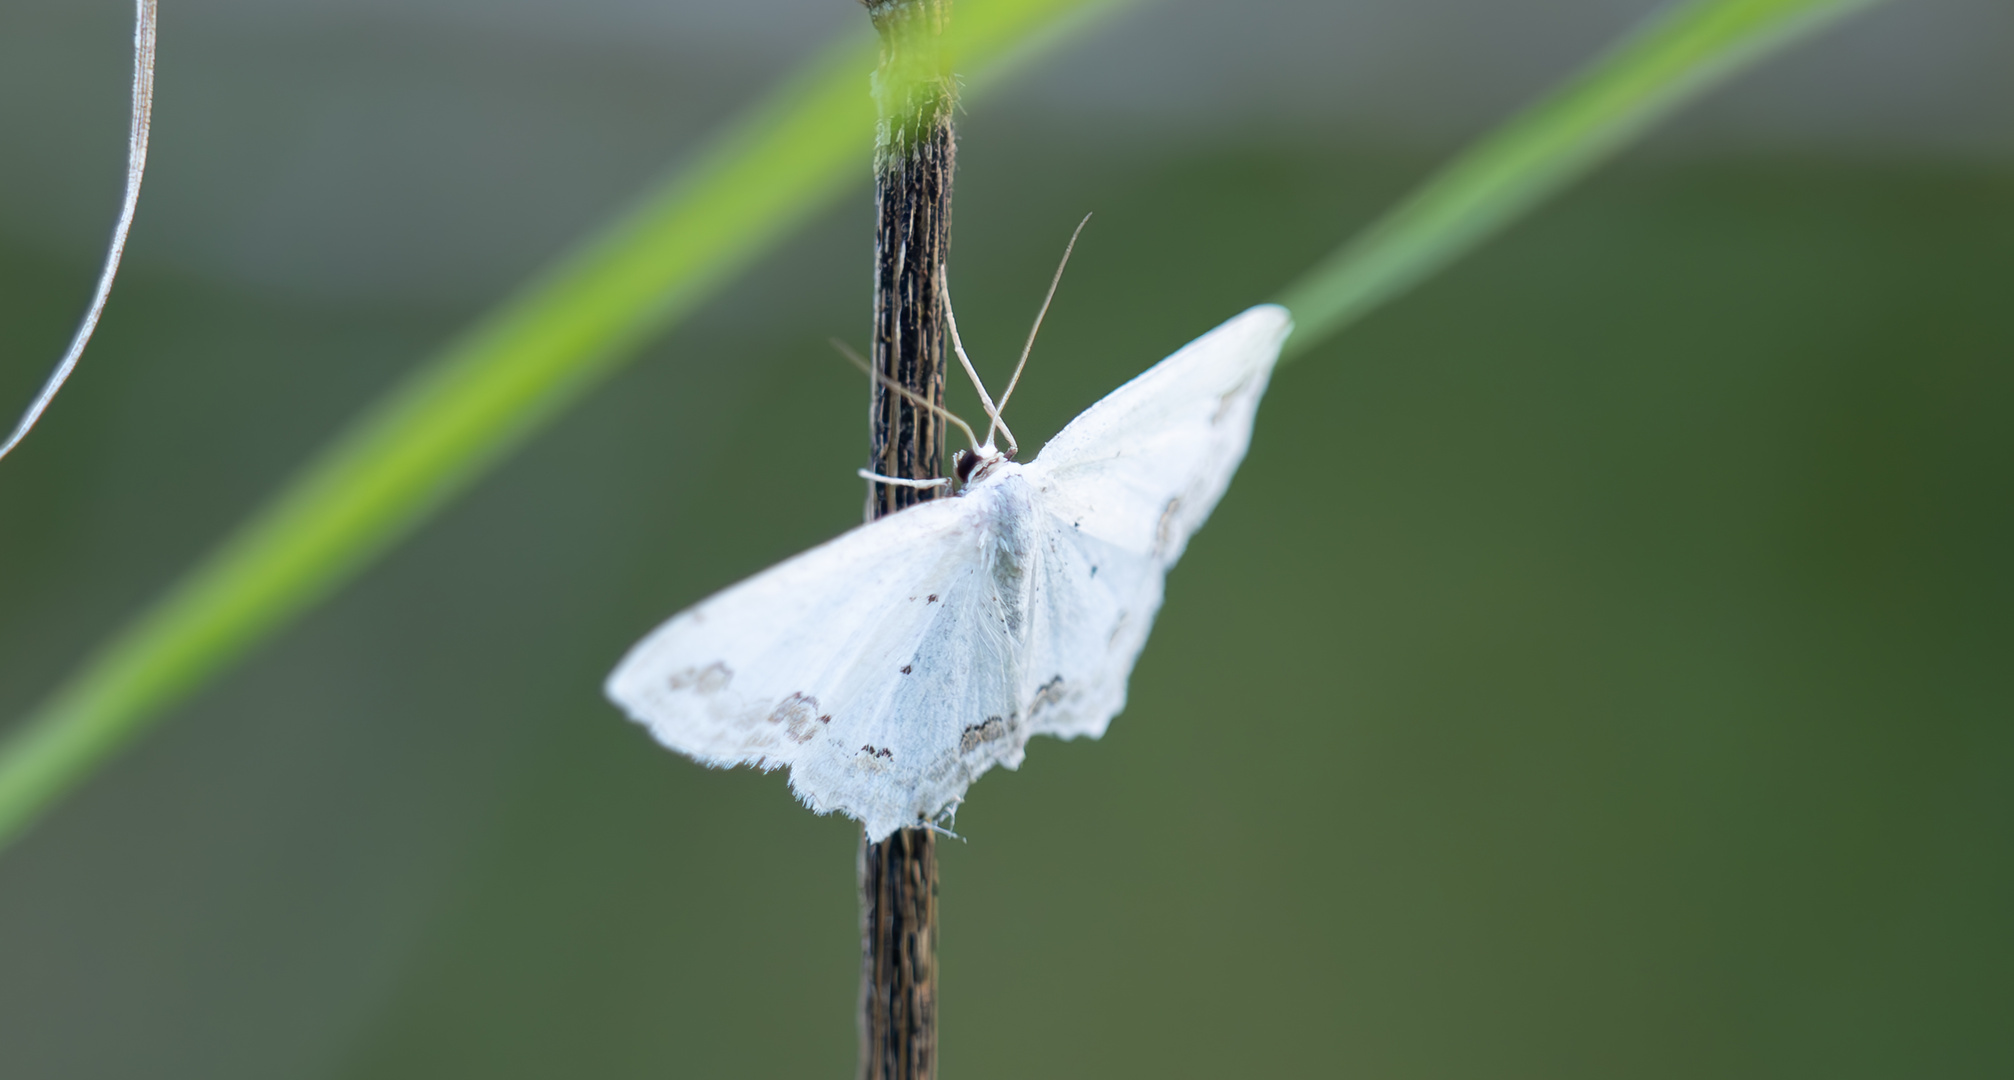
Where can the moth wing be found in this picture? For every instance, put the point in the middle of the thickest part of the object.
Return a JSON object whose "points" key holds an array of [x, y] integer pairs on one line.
{"points": [[1120, 491], [859, 664], [1143, 468], [1095, 603]]}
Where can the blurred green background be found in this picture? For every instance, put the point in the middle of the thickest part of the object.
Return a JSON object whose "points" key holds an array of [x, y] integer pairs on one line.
{"points": [[1600, 666]]}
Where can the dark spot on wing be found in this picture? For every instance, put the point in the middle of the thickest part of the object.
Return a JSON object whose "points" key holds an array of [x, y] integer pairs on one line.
{"points": [[884, 752], [1049, 693], [907, 668], [714, 678], [1164, 532], [1094, 571], [932, 600], [977, 735], [867, 749], [1224, 403], [799, 715], [826, 719], [711, 679]]}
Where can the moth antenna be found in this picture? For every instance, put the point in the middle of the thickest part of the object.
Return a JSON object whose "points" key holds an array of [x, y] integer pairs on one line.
{"points": [[985, 400], [144, 18], [1037, 328], [891, 384]]}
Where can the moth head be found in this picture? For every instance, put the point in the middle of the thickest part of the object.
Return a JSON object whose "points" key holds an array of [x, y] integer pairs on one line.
{"points": [[971, 466]]}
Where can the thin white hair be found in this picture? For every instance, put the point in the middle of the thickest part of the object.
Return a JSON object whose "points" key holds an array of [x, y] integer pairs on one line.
{"points": [[145, 19]]}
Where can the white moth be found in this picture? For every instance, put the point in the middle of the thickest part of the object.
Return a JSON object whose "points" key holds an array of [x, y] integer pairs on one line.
{"points": [[890, 667]]}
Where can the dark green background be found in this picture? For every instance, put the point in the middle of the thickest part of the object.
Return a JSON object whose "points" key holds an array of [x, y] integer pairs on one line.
{"points": [[1600, 666]]}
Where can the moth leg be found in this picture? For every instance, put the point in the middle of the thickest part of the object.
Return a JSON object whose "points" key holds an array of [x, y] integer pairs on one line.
{"points": [[902, 482]]}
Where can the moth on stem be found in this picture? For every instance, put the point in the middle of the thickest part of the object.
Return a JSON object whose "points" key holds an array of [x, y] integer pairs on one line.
{"points": [[145, 16]]}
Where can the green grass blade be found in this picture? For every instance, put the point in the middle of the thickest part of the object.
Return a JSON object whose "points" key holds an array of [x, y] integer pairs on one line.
{"points": [[1676, 55], [459, 413]]}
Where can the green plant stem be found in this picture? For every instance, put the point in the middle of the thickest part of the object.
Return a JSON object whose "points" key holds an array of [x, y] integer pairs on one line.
{"points": [[461, 412], [1674, 56]]}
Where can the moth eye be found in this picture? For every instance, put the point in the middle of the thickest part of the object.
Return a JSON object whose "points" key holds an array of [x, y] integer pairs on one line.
{"points": [[963, 464]]}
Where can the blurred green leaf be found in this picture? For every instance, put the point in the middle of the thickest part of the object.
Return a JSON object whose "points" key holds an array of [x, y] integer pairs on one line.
{"points": [[457, 415], [1673, 57]]}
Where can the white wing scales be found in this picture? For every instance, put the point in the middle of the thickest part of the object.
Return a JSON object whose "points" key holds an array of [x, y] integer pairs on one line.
{"points": [[815, 663], [1123, 487], [892, 666], [1144, 467]]}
